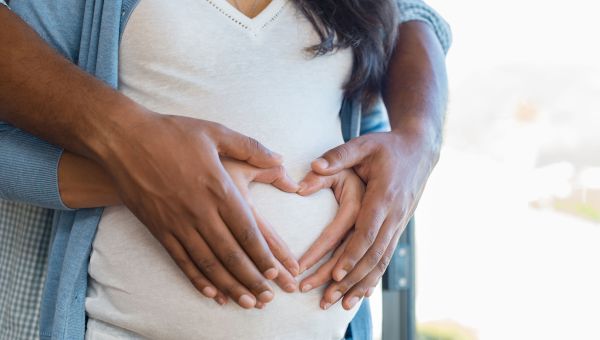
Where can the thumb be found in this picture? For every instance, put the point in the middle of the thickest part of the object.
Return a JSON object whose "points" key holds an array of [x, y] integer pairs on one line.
{"points": [[278, 177], [243, 148], [341, 157]]}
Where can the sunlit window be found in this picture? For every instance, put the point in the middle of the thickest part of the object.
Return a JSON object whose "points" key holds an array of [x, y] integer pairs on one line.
{"points": [[508, 230]]}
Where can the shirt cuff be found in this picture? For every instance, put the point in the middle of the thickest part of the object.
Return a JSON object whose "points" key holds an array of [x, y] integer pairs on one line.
{"points": [[411, 10], [29, 169]]}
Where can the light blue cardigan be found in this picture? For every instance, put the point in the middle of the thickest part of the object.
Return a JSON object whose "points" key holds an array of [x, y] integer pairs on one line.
{"points": [[87, 32]]}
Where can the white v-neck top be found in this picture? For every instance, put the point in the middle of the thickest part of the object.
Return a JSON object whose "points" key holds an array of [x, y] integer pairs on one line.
{"points": [[204, 59]]}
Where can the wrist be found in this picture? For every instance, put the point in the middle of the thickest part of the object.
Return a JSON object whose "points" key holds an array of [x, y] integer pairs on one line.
{"points": [[84, 184], [107, 136], [422, 135]]}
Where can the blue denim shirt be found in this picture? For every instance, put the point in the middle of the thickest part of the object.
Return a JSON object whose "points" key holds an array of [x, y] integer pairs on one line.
{"points": [[87, 32]]}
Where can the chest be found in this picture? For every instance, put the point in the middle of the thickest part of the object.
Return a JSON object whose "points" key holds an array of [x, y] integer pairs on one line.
{"points": [[250, 8], [216, 39]]}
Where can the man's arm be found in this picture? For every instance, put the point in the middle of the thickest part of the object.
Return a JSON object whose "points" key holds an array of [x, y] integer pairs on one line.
{"points": [[376, 119], [395, 165], [162, 165], [418, 10]]}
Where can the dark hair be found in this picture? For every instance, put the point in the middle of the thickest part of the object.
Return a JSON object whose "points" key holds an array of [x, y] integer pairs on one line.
{"points": [[368, 27]]}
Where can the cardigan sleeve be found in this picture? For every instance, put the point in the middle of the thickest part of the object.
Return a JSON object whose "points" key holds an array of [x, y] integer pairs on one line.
{"points": [[410, 10], [29, 169]]}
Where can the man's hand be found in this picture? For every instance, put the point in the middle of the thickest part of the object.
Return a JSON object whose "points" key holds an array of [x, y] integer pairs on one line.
{"points": [[168, 172], [395, 168]]}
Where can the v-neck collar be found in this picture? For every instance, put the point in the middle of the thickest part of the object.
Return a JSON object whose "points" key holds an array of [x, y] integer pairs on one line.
{"points": [[261, 20]]}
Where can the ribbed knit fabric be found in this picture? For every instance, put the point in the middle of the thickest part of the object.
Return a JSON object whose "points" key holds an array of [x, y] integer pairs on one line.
{"points": [[39, 184], [411, 10]]}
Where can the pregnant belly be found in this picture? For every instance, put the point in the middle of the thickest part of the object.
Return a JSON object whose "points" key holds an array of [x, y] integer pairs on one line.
{"points": [[136, 286]]}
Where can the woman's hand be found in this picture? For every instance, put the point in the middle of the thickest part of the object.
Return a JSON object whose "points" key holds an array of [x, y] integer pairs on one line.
{"points": [[242, 175], [395, 167], [348, 189]]}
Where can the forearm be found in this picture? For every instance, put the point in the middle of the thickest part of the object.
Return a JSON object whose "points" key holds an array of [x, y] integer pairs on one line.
{"points": [[84, 184], [43, 93], [415, 91]]}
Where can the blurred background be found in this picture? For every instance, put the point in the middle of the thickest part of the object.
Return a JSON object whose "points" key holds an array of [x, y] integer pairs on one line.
{"points": [[508, 230]]}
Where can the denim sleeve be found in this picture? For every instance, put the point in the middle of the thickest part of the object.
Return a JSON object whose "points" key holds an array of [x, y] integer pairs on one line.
{"points": [[410, 10], [29, 169]]}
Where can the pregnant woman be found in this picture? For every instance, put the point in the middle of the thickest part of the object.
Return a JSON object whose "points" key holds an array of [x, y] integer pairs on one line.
{"points": [[166, 169], [247, 66]]}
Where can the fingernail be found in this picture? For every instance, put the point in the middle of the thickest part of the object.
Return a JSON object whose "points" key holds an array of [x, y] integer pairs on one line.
{"points": [[306, 288], [353, 301], [265, 296], [270, 273], [209, 292], [322, 163], [260, 305], [246, 301], [336, 296], [326, 305], [290, 288], [339, 275], [220, 301], [370, 291]]}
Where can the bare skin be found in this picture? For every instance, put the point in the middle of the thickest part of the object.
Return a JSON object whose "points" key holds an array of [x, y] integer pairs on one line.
{"points": [[250, 8], [394, 165], [84, 184]]}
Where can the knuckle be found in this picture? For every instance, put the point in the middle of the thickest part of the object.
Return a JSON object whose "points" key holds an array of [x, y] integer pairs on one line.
{"points": [[349, 264], [279, 172], [218, 128], [369, 235], [374, 258], [213, 131], [343, 286], [248, 237], [386, 259], [181, 260], [198, 281], [329, 241], [257, 286], [359, 290], [233, 259], [384, 263], [339, 153], [253, 144], [208, 266], [229, 289], [389, 196], [368, 144], [219, 189]]}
